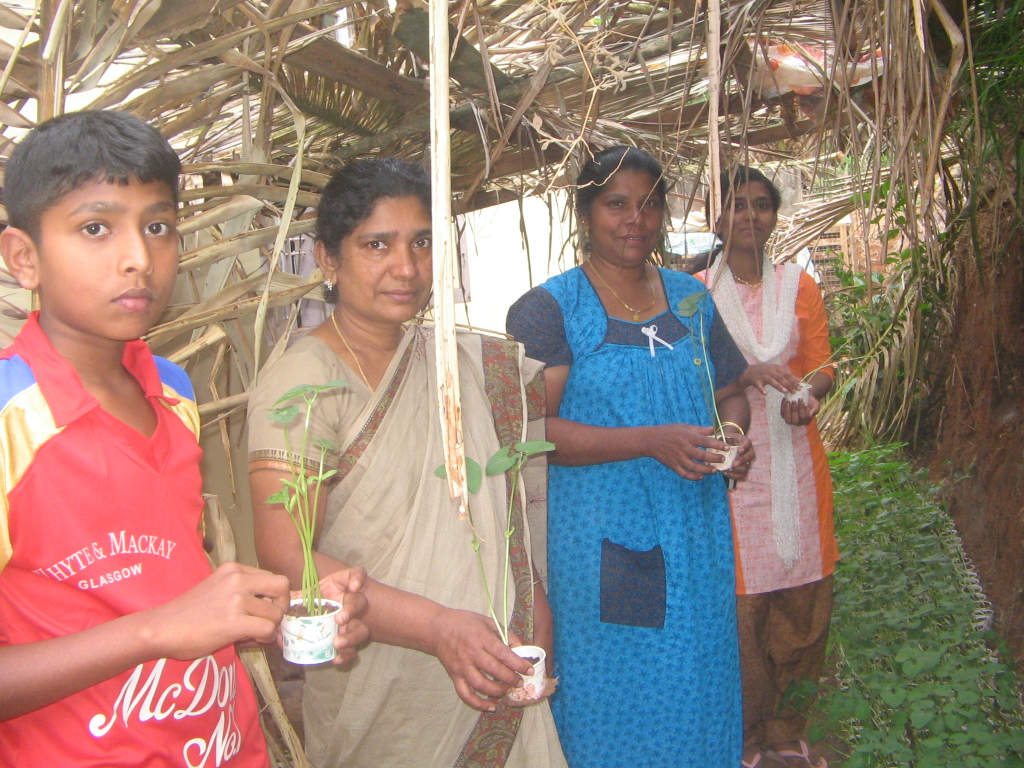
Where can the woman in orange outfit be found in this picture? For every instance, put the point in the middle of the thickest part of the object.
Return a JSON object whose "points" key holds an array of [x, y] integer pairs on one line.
{"points": [[782, 512]]}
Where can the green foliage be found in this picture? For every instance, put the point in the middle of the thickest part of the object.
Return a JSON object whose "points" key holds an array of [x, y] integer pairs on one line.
{"points": [[508, 458], [998, 39], [919, 681], [308, 392], [300, 493], [884, 325], [474, 475], [688, 307]]}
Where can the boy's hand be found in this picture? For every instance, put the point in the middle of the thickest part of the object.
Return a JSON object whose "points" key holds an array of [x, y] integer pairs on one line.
{"points": [[344, 586], [236, 603]]}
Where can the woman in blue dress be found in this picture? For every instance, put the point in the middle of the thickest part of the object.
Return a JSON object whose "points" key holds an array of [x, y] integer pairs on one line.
{"points": [[640, 544]]}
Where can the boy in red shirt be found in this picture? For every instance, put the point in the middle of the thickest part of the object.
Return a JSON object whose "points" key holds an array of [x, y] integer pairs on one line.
{"points": [[116, 641]]}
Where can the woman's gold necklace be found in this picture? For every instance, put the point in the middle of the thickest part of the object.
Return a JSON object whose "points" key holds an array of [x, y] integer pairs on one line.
{"points": [[636, 312], [362, 373], [756, 284]]}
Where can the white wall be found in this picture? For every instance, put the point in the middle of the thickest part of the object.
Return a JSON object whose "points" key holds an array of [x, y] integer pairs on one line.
{"points": [[497, 257]]}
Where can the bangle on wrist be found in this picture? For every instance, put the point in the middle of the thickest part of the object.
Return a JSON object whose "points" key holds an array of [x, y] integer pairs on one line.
{"points": [[733, 424]]}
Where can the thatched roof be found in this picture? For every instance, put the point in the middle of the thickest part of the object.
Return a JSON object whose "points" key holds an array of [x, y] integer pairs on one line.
{"points": [[532, 82], [249, 89]]}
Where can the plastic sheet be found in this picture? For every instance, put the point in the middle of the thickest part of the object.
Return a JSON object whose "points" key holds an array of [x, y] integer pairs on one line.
{"points": [[781, 68]]}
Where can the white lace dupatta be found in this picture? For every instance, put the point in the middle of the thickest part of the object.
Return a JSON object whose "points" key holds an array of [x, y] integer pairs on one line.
{"points": [[778, 309]]}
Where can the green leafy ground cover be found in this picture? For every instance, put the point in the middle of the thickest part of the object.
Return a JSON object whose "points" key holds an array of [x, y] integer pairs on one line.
{"points": [[920, 680]]}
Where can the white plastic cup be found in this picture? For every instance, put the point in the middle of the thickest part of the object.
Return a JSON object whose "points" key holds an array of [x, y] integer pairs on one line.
{"points": [[728, 455], [310, 639], [802, 394], [533, 685]]}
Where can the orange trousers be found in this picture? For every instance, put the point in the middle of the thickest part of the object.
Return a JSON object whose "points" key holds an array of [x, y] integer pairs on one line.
{"points": [[783, 636]]}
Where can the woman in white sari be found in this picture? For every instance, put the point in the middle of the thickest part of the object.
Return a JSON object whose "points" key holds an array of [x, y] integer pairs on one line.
{"points": [[428, 690]]}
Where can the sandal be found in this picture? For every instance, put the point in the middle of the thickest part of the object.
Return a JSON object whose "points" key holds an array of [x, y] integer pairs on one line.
{"points": [[754, 762], [801, 759]]}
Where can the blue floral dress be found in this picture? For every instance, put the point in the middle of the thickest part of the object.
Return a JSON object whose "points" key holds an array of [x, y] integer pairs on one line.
{"points": [[641, 573]]}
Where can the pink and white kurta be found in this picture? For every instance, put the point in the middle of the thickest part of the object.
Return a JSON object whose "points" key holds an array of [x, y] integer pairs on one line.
{"points": [[758, 565], [759, 568]]}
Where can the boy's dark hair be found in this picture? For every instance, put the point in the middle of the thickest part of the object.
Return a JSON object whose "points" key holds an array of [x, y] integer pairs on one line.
{"points": [[743, 175], [66, 152], [607, 163]]}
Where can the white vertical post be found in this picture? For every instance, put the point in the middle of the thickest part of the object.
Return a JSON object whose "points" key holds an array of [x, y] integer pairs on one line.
{"points": [[449, 402], [714, 97]]}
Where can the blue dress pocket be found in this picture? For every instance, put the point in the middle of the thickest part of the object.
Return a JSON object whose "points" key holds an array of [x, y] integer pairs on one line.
{"points": [[632, 586]]}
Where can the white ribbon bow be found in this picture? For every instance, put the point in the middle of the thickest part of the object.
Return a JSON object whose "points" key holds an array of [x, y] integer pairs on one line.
{"points": [[651, 332]]}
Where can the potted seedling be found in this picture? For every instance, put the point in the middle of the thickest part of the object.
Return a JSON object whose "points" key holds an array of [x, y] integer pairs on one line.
{"points": [[803, 392], [689, 307], [309, 627], [508, 459]]}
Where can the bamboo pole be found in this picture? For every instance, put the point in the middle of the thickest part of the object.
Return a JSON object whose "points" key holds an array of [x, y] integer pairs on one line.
{"points": [[714, 96], [51, 87], [449, 401]]}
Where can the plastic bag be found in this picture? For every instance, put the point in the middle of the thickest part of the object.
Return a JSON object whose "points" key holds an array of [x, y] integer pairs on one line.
{"points": [[782, 68]]}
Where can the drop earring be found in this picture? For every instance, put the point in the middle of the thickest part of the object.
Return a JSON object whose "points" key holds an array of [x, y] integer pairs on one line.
{"points": [[329, 285]]}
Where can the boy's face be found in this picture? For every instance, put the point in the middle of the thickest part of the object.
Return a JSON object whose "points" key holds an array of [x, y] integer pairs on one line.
{"points": [[104, 262]]}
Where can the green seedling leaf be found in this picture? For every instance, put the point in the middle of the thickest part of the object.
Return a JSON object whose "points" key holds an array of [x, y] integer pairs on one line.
{"points": [[930, 659], [326, 445], [894, 697], [968, 697], [281, 497], [862, 709], [474, 474], [300, 391], [919, 718], [534, 447], [912, 667], [501, 461], [816, 733], [284, 415], [905, 653], [336, 384], [688, 306]]}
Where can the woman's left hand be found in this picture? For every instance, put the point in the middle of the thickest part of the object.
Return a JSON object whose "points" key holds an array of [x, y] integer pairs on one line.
{"points": [[344, 586], [744, 456], [800, 414]]}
